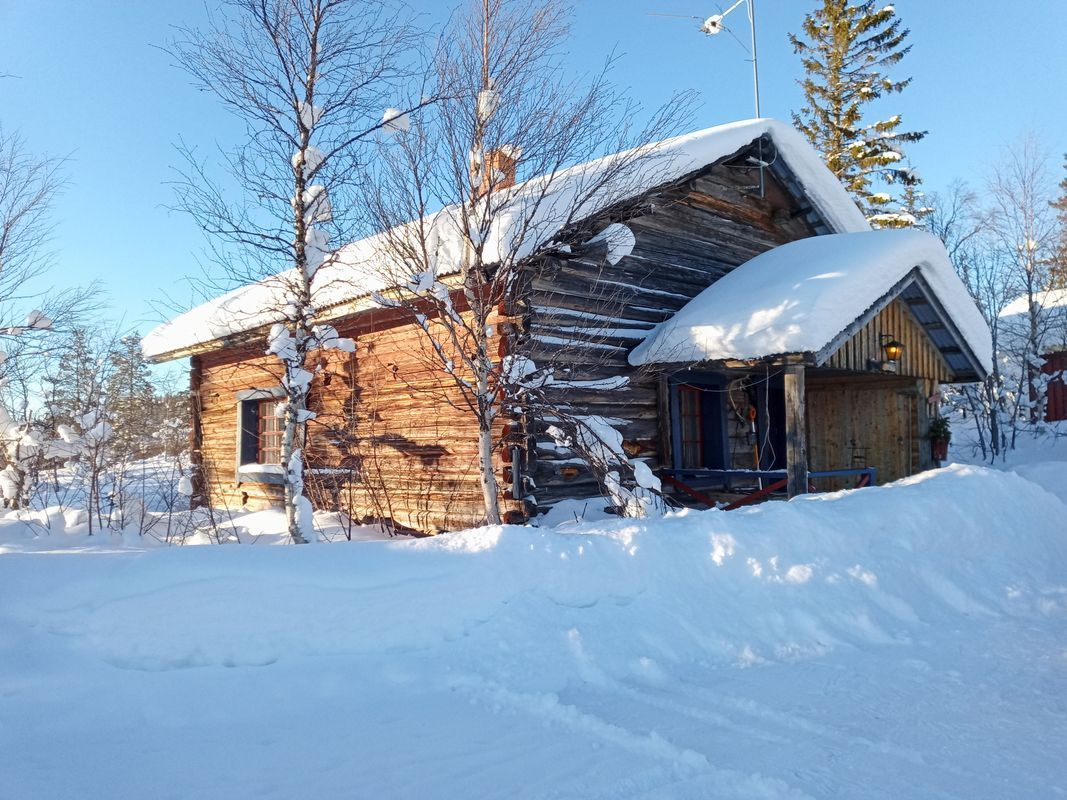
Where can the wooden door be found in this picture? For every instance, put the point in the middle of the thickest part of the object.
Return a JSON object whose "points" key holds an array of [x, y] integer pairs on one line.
{"points": [[859, 422]]}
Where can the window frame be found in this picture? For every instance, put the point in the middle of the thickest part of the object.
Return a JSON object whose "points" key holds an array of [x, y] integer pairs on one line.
{"points": [[248, 467], [708, 389], [270, 430]]}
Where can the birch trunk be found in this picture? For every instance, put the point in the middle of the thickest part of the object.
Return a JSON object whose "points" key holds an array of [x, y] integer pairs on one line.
{"points": [[294, 487], [490, 488]]}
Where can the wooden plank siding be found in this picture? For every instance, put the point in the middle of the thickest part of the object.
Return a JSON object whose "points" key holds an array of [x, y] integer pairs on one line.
{"points": [[1055, 364], [391, 439], [921, 359], [857, 421], [860, 418]]}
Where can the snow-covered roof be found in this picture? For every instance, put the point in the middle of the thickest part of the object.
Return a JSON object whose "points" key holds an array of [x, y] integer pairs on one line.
{"points": [[354, 273], [1051, 321], [801, 297], [1046, 301]]}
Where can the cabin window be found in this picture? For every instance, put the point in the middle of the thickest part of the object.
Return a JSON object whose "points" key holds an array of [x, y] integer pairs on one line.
{"points": [[699, 422], [711, 425], [271, 429], [259, 435]]}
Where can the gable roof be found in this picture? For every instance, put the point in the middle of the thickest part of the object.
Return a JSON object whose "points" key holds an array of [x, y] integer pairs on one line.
{"points": [[1051, 318], [354, 272], [808, 296], [1047, 301]]}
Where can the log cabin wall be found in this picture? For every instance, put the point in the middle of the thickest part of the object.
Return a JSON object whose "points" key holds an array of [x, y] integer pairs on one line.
{"points": [[222, 375], [390, 440], [585, 315]]}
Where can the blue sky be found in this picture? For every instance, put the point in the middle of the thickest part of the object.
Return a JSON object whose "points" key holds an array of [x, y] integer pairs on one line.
{"points": [[94, 84]]}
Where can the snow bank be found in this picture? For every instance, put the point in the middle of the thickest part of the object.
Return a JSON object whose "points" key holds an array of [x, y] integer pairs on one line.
{"points": [[897, 641], [536, 210], [797, 298]]}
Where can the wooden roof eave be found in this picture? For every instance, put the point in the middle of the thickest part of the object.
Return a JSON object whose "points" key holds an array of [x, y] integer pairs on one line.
{"points": [[912, 278], [330, 314], [778, 360]]}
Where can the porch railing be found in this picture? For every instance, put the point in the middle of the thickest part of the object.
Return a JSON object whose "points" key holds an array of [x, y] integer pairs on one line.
{"points": [[691, 481]]}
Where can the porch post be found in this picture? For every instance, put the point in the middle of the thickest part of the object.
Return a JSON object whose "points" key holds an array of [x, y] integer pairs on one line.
{"points": [[796, 444]]}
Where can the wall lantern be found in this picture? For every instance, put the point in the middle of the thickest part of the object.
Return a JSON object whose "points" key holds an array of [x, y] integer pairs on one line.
{"points": [[892, 348]]}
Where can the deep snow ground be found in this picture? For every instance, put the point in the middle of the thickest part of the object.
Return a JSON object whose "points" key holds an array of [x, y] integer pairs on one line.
{"points": [[901, 641]]}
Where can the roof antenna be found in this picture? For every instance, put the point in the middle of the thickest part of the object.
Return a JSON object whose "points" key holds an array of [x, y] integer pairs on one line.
{"points": [[714, 25]]}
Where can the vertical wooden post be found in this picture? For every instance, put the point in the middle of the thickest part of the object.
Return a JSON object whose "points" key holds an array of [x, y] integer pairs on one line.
{"points": [[196, 436], [796, 444], [922, 425]]}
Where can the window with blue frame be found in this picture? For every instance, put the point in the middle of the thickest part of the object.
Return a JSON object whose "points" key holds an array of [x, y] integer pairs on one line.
{"points": [[698, 422]]}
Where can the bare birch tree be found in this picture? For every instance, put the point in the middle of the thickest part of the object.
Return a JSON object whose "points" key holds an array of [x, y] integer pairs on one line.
{"points": [[498, 154], [1023, 222], [1004, 253], [309, 79], [31, 312]]}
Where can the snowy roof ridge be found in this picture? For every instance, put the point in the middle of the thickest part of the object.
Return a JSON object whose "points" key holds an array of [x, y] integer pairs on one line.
{"points": [[1045, 300], [801, 296], [356, 271]]}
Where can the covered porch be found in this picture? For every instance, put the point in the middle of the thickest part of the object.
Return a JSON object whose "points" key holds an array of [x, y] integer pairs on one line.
{"points": [[739, 436], [816, 366]]}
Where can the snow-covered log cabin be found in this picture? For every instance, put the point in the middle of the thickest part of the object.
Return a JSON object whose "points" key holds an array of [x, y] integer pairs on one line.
{"points": [[732, 322]]}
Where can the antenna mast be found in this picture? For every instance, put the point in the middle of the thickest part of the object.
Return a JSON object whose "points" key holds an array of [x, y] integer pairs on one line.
{"points": [[755, 61]]}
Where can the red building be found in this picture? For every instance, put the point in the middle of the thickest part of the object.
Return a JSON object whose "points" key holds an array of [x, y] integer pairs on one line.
{"points": [[1056, 402]]}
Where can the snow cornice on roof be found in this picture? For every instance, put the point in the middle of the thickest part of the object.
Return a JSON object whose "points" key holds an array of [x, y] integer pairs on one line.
{"points": [[559, 199], [804, 297]]}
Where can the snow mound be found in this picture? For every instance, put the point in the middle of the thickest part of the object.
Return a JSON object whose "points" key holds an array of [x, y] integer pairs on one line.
{"points": [[797, 298]]}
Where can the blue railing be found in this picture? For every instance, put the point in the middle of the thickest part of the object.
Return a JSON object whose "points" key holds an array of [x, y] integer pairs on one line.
{"points": [[727, 477]]}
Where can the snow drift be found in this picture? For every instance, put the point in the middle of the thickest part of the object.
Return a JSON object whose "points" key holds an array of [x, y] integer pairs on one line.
{"points": [[895, 641]]}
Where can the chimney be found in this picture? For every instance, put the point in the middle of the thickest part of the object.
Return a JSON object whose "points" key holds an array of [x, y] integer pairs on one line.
{"points": [[498, 170]]}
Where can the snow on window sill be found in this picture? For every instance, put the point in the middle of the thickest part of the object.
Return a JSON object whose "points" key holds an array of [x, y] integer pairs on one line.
{"points": [[260, 473]]}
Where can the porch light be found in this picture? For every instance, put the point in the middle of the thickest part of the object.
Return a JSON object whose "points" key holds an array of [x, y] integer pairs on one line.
{"points": [[892, 348]]}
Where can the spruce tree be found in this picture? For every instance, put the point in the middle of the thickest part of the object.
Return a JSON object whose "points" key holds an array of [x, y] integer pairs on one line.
{"points": [[914, 207], [77, 381], [131, 398], [847, 51]]}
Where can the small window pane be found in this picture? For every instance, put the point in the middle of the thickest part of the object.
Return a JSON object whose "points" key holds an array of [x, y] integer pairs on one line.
{"points": [[692, 427], [271, 430]]}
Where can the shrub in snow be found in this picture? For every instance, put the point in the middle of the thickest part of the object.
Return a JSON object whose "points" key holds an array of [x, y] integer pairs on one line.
{"points": [[631, 486]]}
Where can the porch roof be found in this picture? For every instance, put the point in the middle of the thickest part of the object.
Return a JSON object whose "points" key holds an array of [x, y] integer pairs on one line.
{"points": [[809, 296]]}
